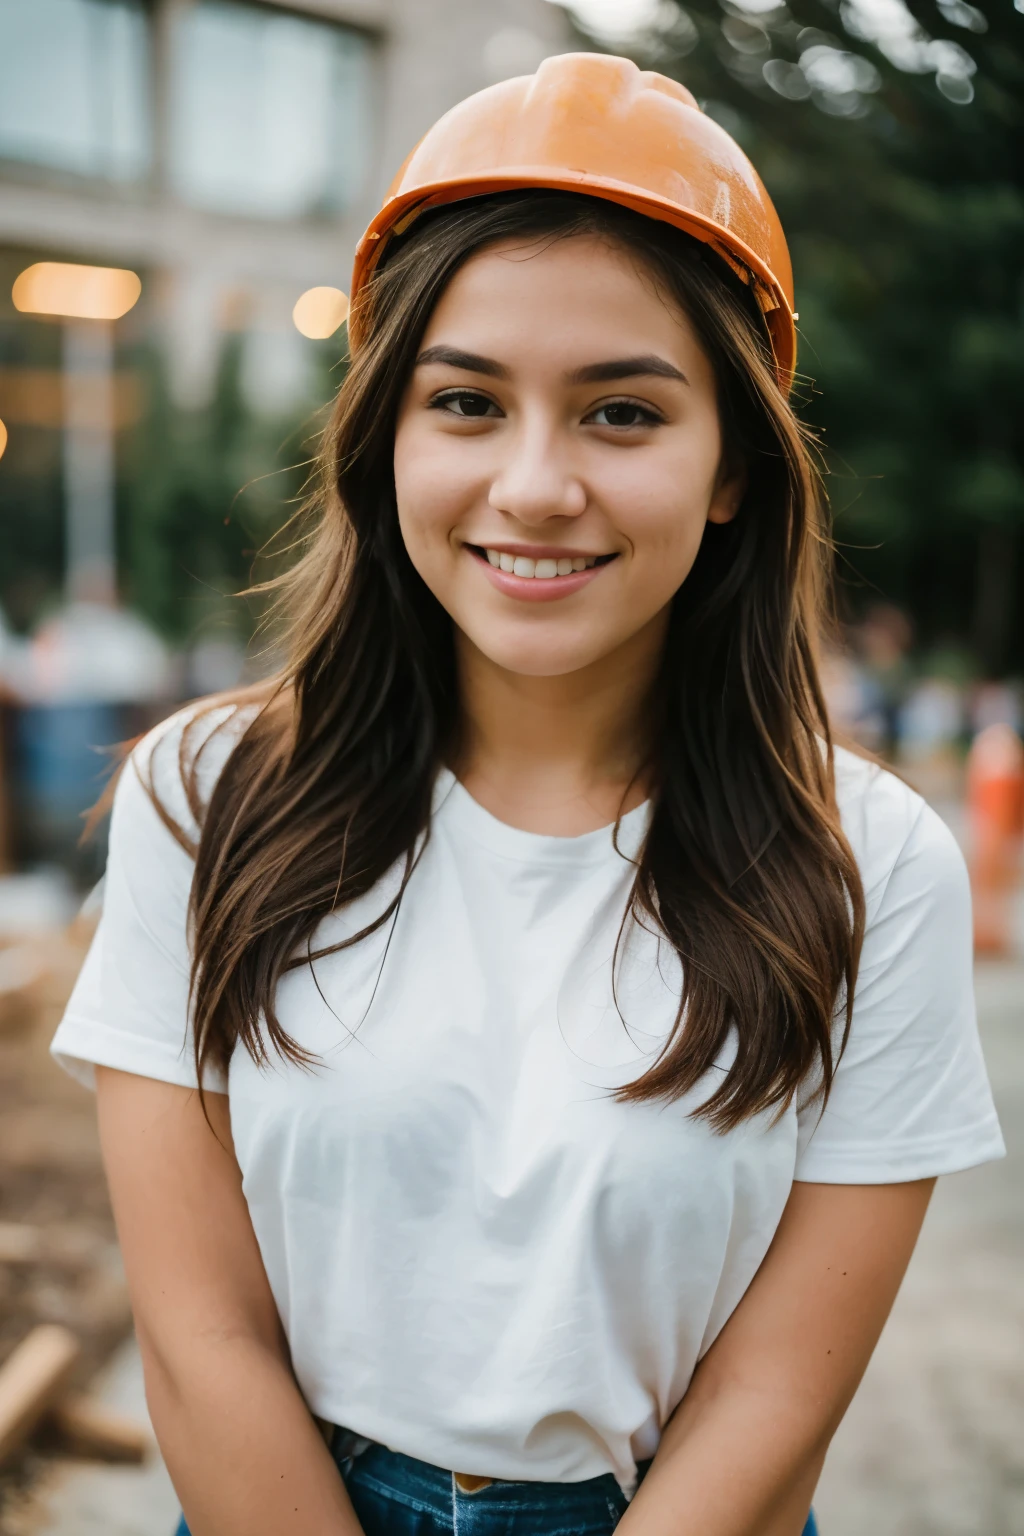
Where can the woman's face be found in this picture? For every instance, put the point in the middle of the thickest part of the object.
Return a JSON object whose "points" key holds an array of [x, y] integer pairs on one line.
{"points": [[558, 453]]}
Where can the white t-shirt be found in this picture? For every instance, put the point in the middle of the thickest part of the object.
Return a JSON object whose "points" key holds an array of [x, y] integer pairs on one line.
{"points": [[479, 1257]]}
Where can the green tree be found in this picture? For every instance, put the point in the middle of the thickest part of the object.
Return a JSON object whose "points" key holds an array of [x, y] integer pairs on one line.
{"points": [[891, 137], [203, 492]]}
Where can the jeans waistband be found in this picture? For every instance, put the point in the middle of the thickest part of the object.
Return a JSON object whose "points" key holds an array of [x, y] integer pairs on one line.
{"points": [[431, 1486]]}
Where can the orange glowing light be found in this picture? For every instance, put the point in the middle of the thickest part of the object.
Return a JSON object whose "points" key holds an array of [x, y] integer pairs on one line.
{"points": [[319, 312], [74, 292], [3, 439]]}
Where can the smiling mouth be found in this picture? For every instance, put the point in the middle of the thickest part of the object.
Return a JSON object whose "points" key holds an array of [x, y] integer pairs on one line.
{"points": [[541, 569]]}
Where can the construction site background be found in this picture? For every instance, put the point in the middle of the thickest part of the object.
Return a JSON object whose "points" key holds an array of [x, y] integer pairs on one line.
{"points": [[205, 167]]}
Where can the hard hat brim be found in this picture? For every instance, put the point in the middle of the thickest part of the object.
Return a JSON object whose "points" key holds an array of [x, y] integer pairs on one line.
{"points": [[399, 212]]}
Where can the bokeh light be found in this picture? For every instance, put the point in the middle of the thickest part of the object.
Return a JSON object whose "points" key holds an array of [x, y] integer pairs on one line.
{"points": [[3, 439], [76, 292], [319, 312]]}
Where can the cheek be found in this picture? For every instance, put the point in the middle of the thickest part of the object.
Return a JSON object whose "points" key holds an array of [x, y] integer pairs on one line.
{"points": [[662, 513], [432, 487]]}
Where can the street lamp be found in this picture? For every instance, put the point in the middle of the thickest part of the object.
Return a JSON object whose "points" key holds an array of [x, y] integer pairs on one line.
{"points": [[88, 300], [319, 312]]}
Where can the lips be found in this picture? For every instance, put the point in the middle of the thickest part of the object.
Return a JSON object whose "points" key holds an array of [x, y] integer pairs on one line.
{"points": [[538, 576]]}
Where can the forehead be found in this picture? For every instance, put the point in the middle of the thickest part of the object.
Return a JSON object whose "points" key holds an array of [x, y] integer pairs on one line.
{"points": [[578, 292]]}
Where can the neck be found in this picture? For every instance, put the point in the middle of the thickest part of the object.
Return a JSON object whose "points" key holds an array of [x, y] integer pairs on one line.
{"points": [[560, 755]]}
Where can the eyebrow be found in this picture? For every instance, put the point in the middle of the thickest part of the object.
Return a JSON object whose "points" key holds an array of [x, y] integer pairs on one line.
{"points": [[472, 362], [647, 365]]}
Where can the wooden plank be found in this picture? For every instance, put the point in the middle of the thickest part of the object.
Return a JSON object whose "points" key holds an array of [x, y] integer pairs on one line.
{"points": [[31, 1379], [90, 1428]]}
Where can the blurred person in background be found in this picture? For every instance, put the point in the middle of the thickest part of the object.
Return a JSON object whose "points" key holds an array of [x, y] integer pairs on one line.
{"points": [[930, 722], [883, 640], [851, 700], [997, 703], [578, 1035]]}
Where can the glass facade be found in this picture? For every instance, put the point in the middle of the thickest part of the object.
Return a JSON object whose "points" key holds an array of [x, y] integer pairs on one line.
{"points": [[74, 86], [270, 115], [114, 115], [269, 110]]}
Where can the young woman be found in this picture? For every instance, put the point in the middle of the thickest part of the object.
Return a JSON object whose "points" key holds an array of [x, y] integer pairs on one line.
{"points": [[580, 1034]]}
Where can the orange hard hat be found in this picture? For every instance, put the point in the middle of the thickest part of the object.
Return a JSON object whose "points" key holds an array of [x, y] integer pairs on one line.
{"points": [[593, 123]]}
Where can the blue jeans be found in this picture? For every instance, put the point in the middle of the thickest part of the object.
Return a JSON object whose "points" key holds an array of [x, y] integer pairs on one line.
{"points": [[395, 1495]]}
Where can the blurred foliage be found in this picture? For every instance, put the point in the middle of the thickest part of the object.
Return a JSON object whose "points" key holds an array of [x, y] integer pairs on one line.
{"points": [[31, 484], [891, 138], [201, 492], [204, 491]]}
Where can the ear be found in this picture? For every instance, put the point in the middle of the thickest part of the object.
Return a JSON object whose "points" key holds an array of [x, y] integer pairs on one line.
{"points": [[730, 489]]}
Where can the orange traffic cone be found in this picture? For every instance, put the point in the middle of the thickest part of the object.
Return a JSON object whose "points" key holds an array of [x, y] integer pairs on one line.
{"points": [[995, 805]]}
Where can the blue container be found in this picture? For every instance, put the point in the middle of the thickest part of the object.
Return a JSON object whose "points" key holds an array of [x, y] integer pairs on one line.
{"points": [[59, 771]]}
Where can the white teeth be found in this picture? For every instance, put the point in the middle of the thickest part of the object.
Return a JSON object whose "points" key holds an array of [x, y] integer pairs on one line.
{"points": [[545, 568]]}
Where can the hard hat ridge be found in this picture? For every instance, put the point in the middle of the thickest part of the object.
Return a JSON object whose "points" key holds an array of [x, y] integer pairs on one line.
{"points": [[599, 125]]}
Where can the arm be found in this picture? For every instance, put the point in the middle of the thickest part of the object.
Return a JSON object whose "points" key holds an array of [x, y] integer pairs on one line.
{"points": [[742, 1453], [242, 1448]]}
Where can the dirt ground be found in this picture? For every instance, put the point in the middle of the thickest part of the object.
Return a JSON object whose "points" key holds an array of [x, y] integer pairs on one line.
{"points": [[59, 1260]]}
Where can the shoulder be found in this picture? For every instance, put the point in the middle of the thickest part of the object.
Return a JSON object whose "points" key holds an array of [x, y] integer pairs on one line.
{"points": [[891, 829], [177, 764], [910, 1098]]}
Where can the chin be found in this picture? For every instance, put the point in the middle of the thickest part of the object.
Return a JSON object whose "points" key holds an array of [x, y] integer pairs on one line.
{"points": [[538, 660]]}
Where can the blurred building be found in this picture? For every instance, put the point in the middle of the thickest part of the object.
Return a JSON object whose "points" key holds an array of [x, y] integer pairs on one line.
{"points": [[231, 152]]}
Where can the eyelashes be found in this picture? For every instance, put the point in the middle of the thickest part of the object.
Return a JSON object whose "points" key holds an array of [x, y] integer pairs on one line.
{"points": [[472, 405], [647, 417], [452, 397]]}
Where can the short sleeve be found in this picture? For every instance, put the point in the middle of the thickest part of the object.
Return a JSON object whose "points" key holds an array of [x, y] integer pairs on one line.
{"points": [[130, 1005], [911, 1097]]}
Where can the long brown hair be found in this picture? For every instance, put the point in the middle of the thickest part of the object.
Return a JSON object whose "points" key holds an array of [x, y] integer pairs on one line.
{"points": [[745, 868]]}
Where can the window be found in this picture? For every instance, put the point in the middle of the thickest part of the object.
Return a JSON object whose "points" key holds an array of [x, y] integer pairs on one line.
{"points": [[74, 86], [269, 111]]}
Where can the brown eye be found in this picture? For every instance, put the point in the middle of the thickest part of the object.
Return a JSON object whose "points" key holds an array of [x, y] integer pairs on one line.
{"points": [[624, 413], [465, 403]]}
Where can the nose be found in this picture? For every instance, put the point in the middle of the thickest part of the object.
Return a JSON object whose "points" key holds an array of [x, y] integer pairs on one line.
{"points": [[536, 480]]}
